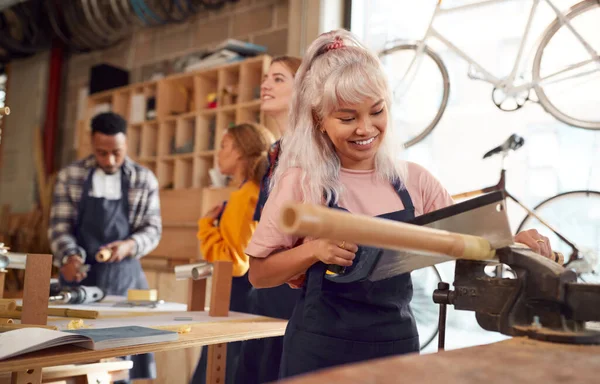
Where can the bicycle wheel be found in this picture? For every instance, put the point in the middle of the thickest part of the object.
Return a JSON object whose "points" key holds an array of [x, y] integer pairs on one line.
{"points": [[571, 91], [576, 216], [420, 85], [426, 312]]}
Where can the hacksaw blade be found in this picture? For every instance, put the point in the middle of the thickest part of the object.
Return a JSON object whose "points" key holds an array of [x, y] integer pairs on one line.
{"points": [[483, 216]]}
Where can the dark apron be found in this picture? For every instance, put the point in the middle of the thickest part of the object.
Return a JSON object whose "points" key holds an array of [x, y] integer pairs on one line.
{"points": [[99, 222], [339, 323], [259, 358], [238, 302]]}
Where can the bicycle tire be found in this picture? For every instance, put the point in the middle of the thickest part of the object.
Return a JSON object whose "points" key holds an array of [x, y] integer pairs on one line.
{"points": [[544, 204], [418, 303], [446, 84], [550, 31]]}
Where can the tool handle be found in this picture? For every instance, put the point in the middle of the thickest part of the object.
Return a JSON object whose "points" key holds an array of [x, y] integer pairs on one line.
{"points": [[4, 111], [103, 255], [322, 222]]}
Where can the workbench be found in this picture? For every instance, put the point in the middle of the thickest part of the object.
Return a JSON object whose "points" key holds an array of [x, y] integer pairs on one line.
{"points": [[516, 360], [205, 330]]}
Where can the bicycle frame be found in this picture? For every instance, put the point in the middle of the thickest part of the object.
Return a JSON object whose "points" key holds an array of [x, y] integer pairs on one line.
{"points": [[508, 83]]}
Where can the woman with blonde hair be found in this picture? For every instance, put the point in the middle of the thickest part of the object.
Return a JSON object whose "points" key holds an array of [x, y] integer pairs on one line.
{"points": [[259, 358], [224, 232], [340, 151]]}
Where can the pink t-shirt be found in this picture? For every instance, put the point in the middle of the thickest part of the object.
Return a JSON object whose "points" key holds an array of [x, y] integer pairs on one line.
{"points": [[364, 193]]}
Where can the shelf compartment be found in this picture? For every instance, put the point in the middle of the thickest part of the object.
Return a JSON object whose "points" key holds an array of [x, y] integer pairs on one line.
{"points": [[229, 79], [206, 126], [202, 164], [206, 84], [134, 134], [185, 133], [150, 164], [176, 95], [120, 104], [251, 75], [184, 173], [165, 173], [149, 140], [166, 137], [248, 113], [225, 120]]}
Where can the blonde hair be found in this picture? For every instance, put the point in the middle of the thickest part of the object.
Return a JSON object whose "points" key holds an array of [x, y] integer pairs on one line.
{"points": [[337, 69], [253, 142]]}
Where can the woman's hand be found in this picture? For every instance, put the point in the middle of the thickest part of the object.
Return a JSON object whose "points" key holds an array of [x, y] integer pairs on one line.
{"points": [[538, 243], [334, 252], [213, 213]]}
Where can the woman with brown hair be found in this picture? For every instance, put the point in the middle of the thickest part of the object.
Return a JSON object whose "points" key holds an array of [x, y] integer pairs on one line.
{"points": [[224, 232], [259, 358]]}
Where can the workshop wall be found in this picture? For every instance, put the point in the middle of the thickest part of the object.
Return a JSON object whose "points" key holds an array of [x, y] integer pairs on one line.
{"points": [[27, 84], [263, 22]]}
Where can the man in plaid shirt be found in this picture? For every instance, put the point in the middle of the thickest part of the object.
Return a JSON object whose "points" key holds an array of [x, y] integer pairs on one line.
{"points": [[105, 201]]}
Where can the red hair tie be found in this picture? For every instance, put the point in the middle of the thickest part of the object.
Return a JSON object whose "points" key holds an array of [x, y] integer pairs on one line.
{"points": [[336, 44]]}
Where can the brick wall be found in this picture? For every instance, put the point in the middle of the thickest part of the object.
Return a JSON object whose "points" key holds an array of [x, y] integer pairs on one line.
{"points": [[263, 22]]}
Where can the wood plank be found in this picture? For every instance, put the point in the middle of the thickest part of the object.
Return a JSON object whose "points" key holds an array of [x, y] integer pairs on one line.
{"points": [[516, 360], [200, 335], [178, 243], [214, 196], [172, 209], [35, 294]]}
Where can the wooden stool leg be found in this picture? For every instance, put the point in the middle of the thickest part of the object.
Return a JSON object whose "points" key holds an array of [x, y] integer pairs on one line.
{"points": [[30, 376], [215, 367], [36, 291]]}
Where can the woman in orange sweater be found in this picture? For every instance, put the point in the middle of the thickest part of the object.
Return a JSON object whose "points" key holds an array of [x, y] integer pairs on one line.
{"points": [[225, 231]]}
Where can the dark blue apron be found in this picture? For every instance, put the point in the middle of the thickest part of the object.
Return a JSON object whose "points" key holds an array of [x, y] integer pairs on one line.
{"points": [[238, 302], [99, 222], [339, 323], [259, 358]]}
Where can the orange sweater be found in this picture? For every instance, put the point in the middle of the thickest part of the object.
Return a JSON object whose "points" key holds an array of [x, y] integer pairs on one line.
{"points": [[228, 240]]}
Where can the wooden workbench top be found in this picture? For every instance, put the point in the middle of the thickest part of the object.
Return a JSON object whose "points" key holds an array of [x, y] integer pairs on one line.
{"points": [[207, 333], [516, 360]]}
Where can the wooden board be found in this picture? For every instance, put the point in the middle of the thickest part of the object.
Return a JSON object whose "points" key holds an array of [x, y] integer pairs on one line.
{"points": [[515, 360], [201, 334]]}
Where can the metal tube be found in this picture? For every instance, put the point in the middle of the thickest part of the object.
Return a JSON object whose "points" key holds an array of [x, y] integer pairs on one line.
{"points": [[193, 271], [11, 260]]}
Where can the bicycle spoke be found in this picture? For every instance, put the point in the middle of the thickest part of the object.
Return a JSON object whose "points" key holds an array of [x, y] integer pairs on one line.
{"points": [[420, 90], [575, 215]]}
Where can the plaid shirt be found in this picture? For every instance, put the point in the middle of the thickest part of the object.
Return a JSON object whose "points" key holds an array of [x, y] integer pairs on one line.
{"points": [[144, 207]]}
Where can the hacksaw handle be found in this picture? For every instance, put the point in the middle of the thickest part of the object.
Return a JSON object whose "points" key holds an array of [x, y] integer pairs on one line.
{"points": [[322, 222]]}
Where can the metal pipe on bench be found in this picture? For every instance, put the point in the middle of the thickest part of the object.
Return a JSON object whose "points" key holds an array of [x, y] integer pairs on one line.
{"points": [[197, 271]]}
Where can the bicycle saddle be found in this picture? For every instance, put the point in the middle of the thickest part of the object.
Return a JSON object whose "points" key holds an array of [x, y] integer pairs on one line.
{"points": [[514, 142]]}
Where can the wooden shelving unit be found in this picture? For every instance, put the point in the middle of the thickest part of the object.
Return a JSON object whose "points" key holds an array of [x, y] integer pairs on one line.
{"points": [[174, 131], [178, 138]]}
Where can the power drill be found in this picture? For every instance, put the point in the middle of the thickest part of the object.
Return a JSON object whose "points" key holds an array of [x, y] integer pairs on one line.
{"points": [[75, 295]]}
